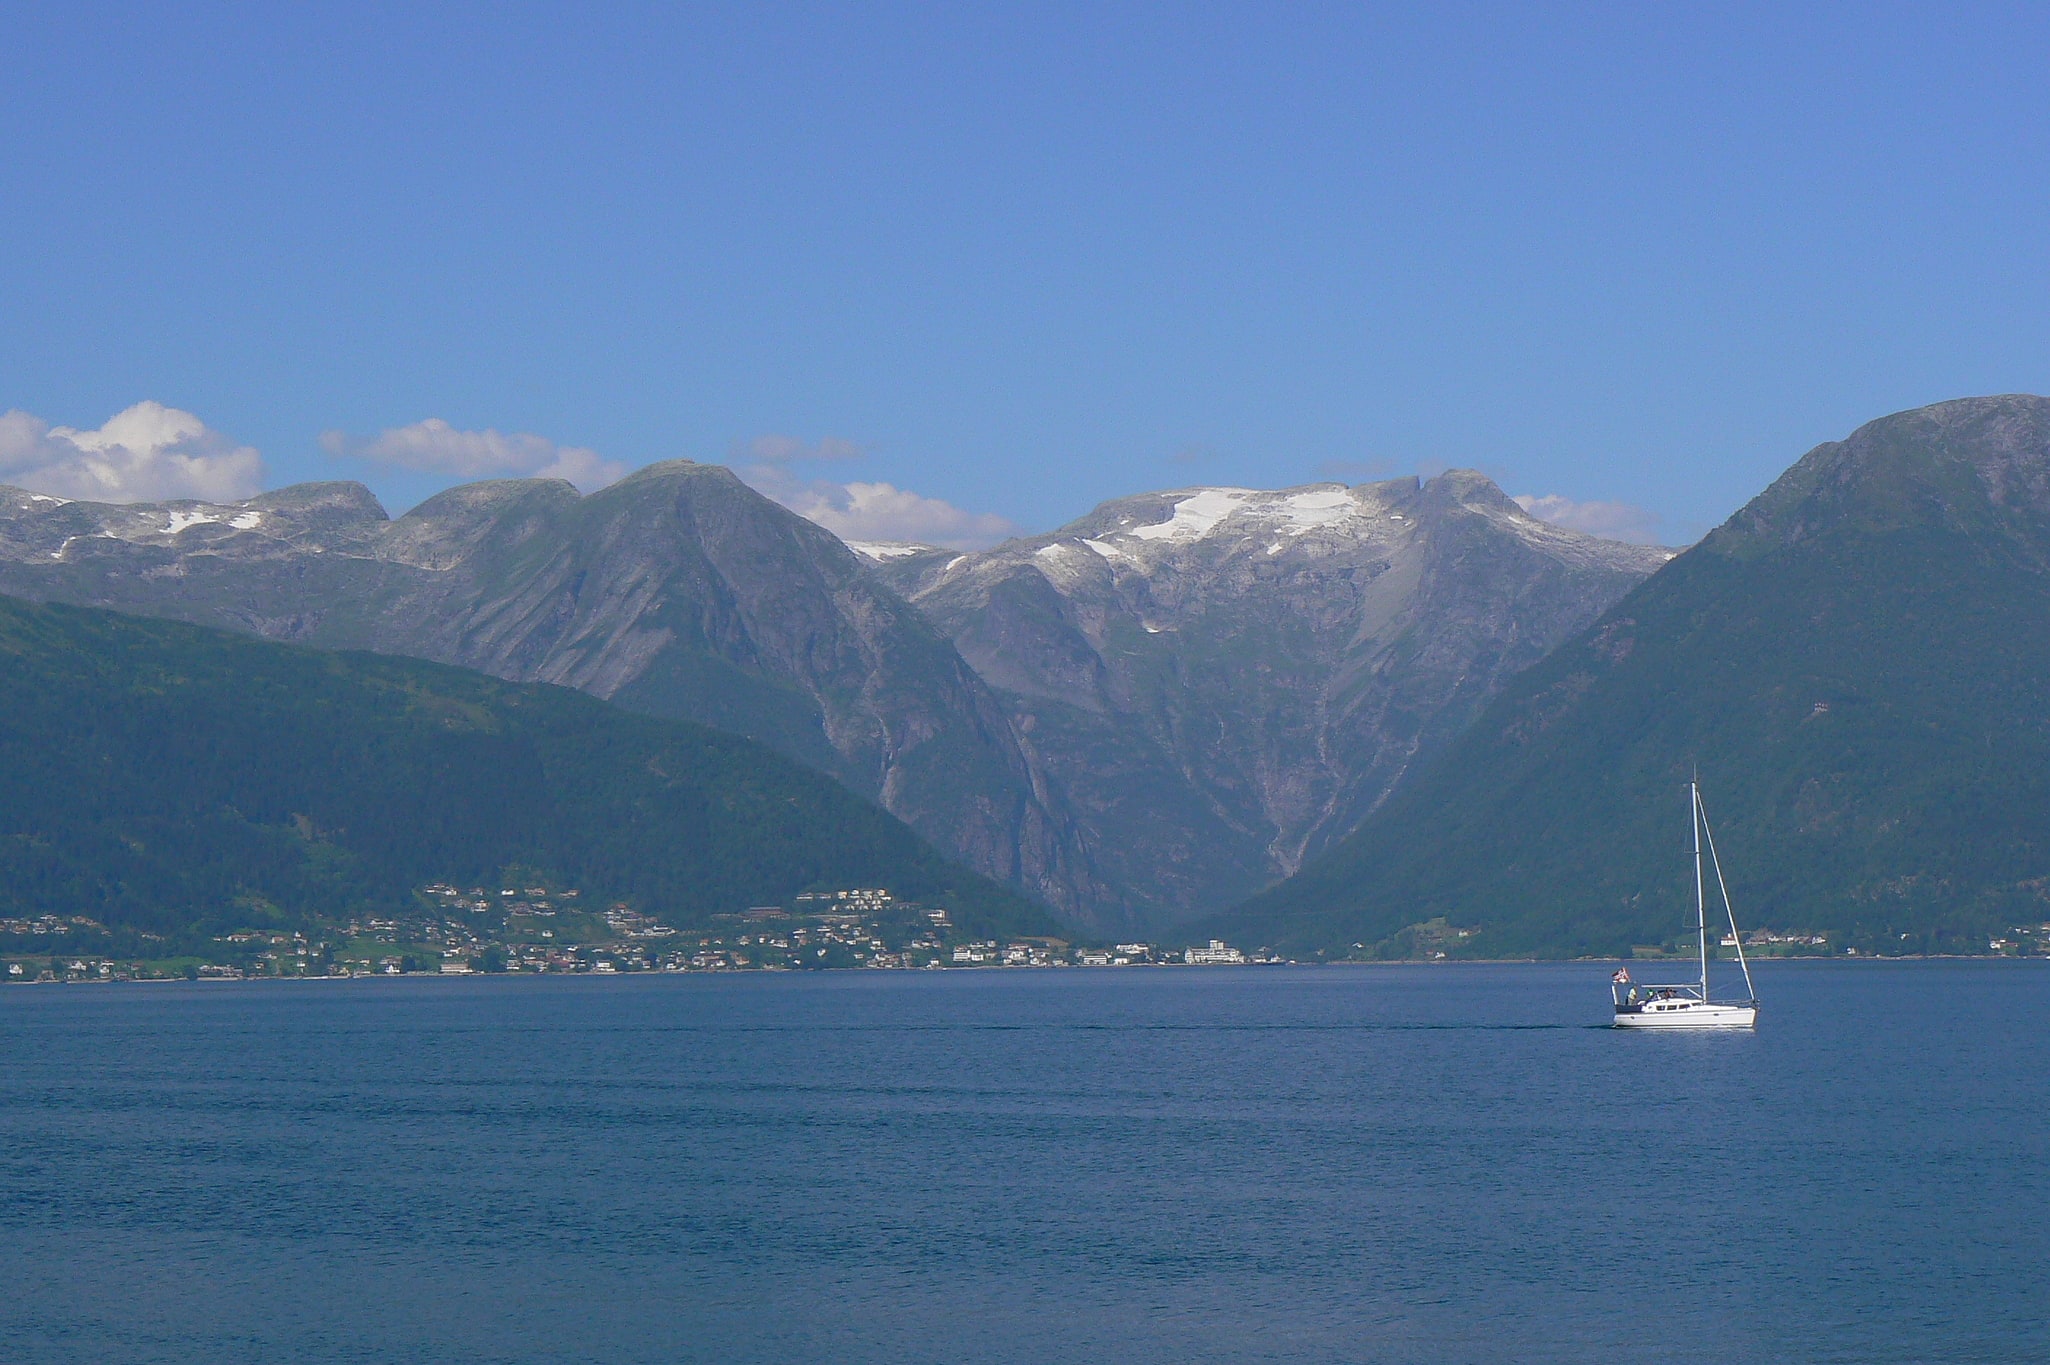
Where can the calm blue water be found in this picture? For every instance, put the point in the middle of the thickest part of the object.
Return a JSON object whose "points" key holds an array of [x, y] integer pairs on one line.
{"points": [[1387, 1164]]}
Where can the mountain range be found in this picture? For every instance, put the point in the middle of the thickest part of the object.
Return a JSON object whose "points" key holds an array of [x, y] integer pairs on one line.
{"points": [[1331, 720], [678, 592], [1858, 664], [1142, 717]]}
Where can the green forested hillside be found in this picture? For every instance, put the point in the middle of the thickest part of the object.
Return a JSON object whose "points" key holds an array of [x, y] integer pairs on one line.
{"points": [[1860, 664], [163, 777]]}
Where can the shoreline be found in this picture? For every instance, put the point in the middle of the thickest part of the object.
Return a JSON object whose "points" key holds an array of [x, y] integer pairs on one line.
{"points": [[987, 970]]}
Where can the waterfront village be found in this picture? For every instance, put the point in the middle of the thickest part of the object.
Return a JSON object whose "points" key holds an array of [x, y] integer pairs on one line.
{"points": [[457, 931]]}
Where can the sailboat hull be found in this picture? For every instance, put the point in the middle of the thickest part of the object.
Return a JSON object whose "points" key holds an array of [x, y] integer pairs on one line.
{"points": [[1687, 1014], [1688, 1006]]}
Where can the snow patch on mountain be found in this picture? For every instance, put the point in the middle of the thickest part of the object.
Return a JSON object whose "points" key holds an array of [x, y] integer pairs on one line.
{"points": [[1291, 512], [880, 550], [1196, 516], [184, 519], [1314, 507]]}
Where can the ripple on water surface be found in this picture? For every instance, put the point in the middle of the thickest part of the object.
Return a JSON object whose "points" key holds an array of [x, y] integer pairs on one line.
{"points": [[1387, 1164]]}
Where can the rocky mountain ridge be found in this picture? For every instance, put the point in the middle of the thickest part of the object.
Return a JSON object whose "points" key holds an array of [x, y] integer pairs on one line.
{"points": [[1140, 717], [1222, 681]]}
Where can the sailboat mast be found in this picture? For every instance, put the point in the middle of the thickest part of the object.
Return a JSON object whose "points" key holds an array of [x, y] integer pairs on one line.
{"points": [[1700, 900], [1715, 860]]}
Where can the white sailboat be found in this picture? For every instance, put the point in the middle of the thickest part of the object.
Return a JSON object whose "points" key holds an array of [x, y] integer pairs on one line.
{"points": [[1689, 1006]]}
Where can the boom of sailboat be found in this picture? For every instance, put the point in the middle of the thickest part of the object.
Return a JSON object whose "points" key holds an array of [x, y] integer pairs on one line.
{"points": [[1688, 1005]]}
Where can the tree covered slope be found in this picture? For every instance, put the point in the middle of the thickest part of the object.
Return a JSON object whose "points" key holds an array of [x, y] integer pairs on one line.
{"points": [[159, 776], [1859, 662]]}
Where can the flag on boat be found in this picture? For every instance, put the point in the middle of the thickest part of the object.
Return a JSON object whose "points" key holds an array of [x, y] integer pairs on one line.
{"points": [[1622, 976]]}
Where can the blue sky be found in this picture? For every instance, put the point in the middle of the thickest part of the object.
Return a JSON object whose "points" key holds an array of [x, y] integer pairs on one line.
{"points": [[1008, 262]]}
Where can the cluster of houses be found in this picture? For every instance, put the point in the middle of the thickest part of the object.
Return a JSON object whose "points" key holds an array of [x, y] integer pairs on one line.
{"points": [[74, 969], [49, 926], [1765, 938], [2021, 940], [854, 927], [1053, 952], [458, 931], [538, 930], [830, 928], [859, 901], [2027, 938]]}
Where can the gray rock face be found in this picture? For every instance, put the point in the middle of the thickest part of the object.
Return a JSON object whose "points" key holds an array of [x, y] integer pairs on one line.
{"points": [[678, 591], [1221, 682]]}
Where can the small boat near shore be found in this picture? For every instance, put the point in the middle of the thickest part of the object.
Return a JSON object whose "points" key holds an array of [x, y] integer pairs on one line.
{"points": [[1688, 1005]]}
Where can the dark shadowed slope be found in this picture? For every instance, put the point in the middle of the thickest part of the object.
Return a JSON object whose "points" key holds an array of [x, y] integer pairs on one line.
{"points": [[159, 775], [1860, 663]]}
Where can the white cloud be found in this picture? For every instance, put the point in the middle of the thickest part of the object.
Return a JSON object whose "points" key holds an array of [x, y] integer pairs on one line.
{"points": [[865, 511], [147, 453], [435, 447], [881, 511], [1612, 520]]}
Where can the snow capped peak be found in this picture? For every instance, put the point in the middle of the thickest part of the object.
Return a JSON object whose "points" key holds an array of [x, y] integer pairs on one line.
{"points": [[1286, 512]]}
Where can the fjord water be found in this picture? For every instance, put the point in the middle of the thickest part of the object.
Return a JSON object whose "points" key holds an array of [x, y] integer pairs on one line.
{"points": [[1397, 1164]]}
